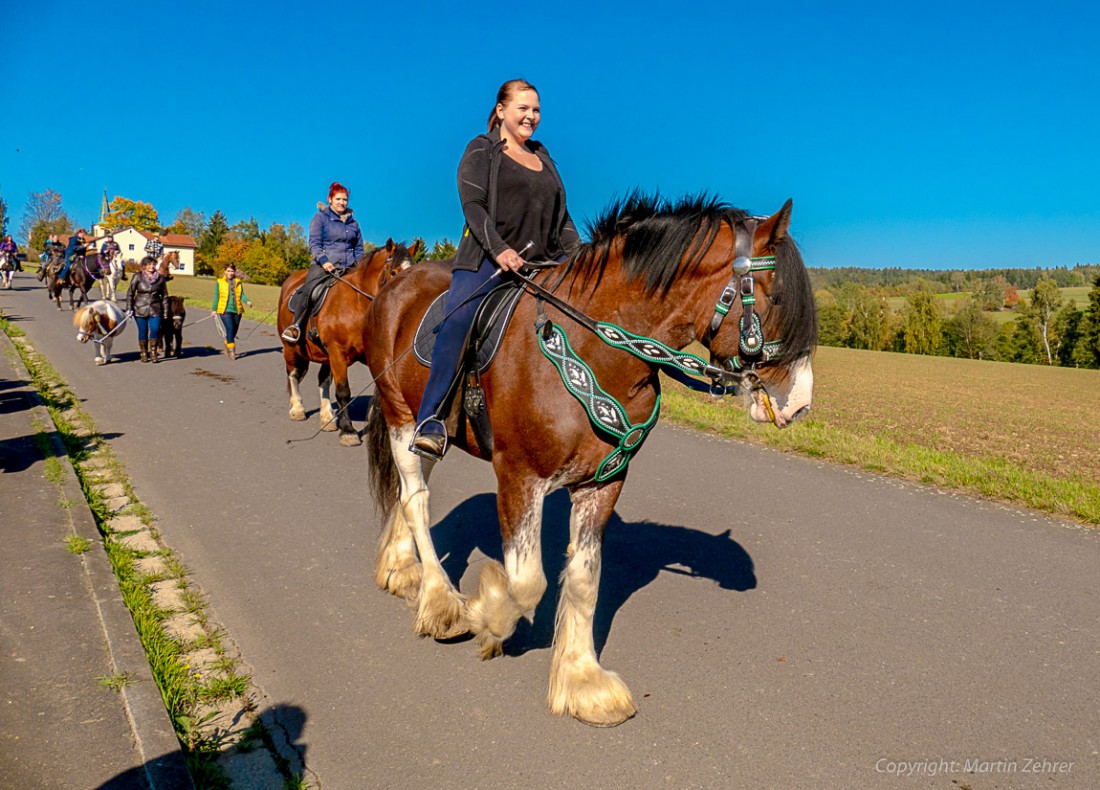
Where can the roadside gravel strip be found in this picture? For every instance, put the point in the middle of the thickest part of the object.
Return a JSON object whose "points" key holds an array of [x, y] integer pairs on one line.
{"points": [[215, 701]]}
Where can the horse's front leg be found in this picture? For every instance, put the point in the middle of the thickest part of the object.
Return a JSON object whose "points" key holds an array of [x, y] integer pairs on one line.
{"points": [[296, 368], [324, 387], [579, 686], [440, 608], [507, 592]]}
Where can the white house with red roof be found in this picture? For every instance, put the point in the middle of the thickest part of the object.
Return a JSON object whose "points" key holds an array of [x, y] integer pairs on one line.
{"points": [[132, 242]]}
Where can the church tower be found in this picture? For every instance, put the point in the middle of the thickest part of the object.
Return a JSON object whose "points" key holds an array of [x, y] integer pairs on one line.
{"points": [[101, 228]]}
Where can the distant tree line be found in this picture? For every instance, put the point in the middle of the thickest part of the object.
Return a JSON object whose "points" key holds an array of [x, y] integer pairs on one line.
{"points": [[1045, 329], [267, 255], [898, 282]]}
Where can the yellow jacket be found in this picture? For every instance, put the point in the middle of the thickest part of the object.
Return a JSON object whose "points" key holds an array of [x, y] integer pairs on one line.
{"points": [[221, 296]]}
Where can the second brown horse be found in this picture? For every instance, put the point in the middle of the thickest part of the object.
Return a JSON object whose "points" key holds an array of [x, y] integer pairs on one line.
{"points": [[339, 330]]}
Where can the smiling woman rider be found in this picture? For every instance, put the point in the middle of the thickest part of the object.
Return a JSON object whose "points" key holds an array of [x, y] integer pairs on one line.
{"points": [[513, 199]]}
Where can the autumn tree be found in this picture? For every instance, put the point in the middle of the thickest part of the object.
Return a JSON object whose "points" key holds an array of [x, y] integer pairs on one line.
{"points": [[290, 244], [124, 212], [264, 264], [188, 222], [233, 249]]}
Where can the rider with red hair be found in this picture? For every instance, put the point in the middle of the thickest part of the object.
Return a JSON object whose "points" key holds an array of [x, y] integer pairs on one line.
{"points": [[335, 245]]}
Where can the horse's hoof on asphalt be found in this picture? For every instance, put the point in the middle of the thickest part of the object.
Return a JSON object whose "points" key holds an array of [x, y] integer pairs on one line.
{"points": [[100, 361], [350, 440], [298, 415], [329, 423]]}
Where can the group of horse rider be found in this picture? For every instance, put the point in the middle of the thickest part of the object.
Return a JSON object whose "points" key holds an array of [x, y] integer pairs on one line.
{"points": [[78, 249]]}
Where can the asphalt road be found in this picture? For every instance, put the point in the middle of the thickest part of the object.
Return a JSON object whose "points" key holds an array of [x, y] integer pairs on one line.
{"points": [[781, 622]]}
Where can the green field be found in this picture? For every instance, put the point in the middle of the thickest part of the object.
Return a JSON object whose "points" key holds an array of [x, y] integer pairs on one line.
{"points": [[1077, 295]]}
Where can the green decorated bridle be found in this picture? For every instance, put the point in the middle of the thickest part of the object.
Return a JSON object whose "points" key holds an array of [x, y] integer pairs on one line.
{"points": [[607, 413]]}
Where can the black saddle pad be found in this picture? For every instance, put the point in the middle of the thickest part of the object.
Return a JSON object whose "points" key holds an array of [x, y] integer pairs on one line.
{"points": [[320, 291], [490, 321]]}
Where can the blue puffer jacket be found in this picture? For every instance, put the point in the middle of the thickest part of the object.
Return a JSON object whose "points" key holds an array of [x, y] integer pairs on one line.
{"points": [[333, 240]]}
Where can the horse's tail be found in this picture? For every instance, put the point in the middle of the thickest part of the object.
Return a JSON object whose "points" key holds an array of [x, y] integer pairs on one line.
{"points": [[385, 483]]}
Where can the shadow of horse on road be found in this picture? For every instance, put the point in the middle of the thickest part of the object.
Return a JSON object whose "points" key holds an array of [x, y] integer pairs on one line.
{"points": [[635, 553]]}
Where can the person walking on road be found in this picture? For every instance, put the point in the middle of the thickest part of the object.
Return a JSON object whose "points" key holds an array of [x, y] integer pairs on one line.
{"points": [[228, 306], [148, 304]]}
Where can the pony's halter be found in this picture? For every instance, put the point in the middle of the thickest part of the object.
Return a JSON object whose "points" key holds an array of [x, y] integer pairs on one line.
{"points": [[751, 347]]}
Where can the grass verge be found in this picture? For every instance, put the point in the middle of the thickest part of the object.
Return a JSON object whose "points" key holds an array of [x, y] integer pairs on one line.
{"points": [[188, 689]]}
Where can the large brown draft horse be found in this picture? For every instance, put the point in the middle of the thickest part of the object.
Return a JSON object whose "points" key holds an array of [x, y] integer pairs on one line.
{"points": [[660, 270], [339, 325]]}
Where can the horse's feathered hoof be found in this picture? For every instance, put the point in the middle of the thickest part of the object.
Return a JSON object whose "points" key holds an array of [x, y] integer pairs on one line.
{"points": [[350, 439], [591, 695]]}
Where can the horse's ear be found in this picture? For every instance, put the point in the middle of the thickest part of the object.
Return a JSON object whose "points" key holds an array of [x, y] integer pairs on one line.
{"points": [[389, 245], [776, 227], [414, 248]]}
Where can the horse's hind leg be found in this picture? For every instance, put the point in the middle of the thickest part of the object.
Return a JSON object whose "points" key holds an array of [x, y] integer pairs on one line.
{"points": [[506, 592], [439, 606], [349, 437], [324, 386], [579, 686]]}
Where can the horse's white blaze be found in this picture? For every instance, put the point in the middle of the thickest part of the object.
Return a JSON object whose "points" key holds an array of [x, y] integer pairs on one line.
{"points": [[440, 607], [792, 404]]}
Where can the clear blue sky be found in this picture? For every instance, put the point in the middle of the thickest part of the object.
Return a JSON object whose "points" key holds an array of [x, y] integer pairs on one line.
{"points": [[929, 134]]}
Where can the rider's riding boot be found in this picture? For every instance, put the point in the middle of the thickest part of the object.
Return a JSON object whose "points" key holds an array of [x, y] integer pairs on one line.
{"points": [[430, 439], [154, 351], [144, 350], [231, 350], [293, 333]]}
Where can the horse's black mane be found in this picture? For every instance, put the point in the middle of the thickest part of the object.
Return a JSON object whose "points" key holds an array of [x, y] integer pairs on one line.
{"points": [[663, 240]]}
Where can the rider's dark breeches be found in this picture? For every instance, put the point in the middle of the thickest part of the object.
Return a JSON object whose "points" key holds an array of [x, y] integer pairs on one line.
{"points": [[314, 276], [448, 346]]}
